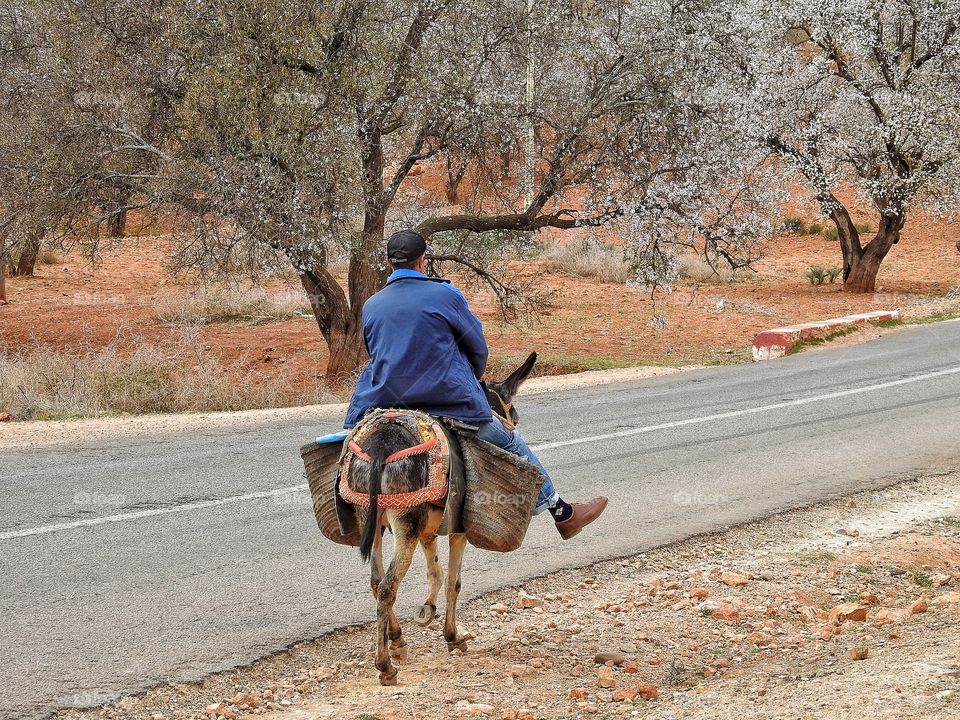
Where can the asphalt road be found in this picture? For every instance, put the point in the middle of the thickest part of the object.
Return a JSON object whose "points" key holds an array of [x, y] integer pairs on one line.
{"points": [[183, 585]]}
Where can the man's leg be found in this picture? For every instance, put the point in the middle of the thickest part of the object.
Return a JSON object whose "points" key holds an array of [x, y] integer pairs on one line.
{"points": [[570, 518], [511, 441]]}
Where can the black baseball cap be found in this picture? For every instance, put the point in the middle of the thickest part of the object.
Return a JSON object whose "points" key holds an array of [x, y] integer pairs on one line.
{"points": [[405, 246]]}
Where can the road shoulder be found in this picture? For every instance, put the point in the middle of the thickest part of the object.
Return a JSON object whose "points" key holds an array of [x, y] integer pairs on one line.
{"points": [[818, 612]]}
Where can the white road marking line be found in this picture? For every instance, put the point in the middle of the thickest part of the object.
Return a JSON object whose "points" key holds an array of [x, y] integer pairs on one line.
{"points": [[199, 505], [747, 411], [124, 517]]}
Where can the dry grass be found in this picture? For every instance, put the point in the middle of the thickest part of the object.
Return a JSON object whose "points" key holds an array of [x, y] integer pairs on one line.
{"points": [[49, 256], [134, 376], [697, 270], [232, 304], [583, 258]]}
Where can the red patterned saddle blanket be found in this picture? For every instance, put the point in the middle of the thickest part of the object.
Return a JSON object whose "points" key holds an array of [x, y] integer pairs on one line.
{"points": [[426, 437]]}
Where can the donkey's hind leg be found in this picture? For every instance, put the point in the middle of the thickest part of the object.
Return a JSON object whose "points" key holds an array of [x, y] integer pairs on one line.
{"points": [[455, 641], [397, 642], [405, 544], [428, 611]]}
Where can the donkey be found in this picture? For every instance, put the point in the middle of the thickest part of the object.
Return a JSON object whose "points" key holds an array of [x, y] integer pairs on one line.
{"points": [[413, 526]]}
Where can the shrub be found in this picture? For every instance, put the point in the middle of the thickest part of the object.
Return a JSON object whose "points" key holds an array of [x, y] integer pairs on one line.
{"points": [[816, 229], [831, 232], [833, 274], [795, 225], [816, 275], [39, 383], [231, 304], [601, 261], [49, 256], [695, 269]]}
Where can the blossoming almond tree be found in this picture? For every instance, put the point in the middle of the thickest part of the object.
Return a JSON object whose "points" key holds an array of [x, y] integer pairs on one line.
{"points": [[853, 94], [290, 132]]}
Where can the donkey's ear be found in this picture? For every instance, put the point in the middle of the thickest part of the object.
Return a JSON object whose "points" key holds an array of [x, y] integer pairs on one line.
{"points": [[513, 383]]}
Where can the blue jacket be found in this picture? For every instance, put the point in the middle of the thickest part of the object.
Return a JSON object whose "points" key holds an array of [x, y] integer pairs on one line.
{"points": [[427, 351]]}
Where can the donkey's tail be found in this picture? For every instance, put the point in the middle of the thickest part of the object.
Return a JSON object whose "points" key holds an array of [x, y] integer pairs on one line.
{"points": [[371, 526]]}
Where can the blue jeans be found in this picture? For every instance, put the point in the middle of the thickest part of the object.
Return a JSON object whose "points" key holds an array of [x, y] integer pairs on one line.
{"points": [[495, 433]]}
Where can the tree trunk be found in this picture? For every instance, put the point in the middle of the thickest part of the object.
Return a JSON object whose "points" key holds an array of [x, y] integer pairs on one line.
{"points": [[339, 314], [3, 280], [849, 238], [863, 273], [117, 224], [347, 354], [339, 327], [344, 329], [27, 259], [367, 258]]}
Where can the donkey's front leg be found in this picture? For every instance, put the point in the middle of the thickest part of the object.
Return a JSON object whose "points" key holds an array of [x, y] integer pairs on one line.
{"points": [[455, 641], [405, 544]]}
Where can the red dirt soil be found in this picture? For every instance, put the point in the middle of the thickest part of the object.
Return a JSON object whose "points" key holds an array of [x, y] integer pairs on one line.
{"points": [[77, 305]]}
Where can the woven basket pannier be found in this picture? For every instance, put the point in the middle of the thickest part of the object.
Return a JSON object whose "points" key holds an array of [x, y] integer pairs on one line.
{"points": [[320, 463], [501, 494]]}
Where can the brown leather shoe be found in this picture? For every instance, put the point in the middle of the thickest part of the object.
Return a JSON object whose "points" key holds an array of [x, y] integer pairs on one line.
{"points": [[583, 515]]}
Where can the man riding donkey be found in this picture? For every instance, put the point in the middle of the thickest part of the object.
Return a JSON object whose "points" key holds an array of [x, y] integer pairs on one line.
{"points": [[428, 353]]}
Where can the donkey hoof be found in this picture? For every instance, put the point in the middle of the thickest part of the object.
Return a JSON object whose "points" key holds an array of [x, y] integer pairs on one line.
{"points": [[425, 614], [389, 677]]}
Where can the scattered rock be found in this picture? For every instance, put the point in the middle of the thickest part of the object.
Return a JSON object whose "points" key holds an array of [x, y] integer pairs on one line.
{"points": [[699, 593], [247, 699], [759, 638], [606, 677], [885, 616], [622, 694], [725, 612], [768, 576], [847, 612], [920, 605], [609, 657], [647, 691], [949, 598], [5, 417], [939, 579], [734, 579], [499, 608], [528, 601], [630, 667], [480, 709], [578, 693], [859, 652]]}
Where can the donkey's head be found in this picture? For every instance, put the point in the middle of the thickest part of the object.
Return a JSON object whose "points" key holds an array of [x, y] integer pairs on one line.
{"points": [[500, 394]]}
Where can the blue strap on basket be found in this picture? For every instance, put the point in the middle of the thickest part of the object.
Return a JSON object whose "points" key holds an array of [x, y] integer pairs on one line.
{"points": [[337, 437]]}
